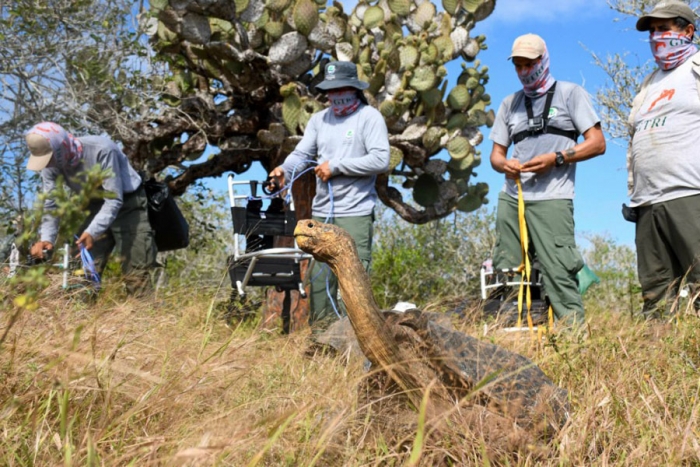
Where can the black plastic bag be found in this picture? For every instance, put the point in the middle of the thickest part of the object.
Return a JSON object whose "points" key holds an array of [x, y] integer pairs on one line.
{"points": [[172, 231]]}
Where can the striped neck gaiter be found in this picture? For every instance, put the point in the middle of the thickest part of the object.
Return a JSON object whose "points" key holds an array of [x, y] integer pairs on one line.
{"points": [[536, 80], [671, 49], [343, 103], [67, 149]]}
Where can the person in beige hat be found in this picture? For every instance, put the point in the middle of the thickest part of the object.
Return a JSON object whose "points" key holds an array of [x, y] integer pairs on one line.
{"points": [[120, 220], [543, 122], [663, 161]]}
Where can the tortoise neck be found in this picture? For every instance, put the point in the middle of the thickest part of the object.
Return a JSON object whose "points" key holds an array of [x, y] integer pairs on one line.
{"points": [[370, 328], [376, 340]]}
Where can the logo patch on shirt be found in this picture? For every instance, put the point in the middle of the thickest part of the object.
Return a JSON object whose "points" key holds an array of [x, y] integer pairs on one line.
{"points": [[349, 134], [665, 94], [553, 112]]}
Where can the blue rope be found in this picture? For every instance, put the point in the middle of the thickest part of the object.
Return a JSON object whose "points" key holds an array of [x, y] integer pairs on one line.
{"points": [[328, 219], [328, 291], [289, 186], [89, 268]]}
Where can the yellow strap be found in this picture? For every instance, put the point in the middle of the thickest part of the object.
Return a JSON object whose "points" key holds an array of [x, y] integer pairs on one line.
{"points": [[551, 319], [525, 268]]}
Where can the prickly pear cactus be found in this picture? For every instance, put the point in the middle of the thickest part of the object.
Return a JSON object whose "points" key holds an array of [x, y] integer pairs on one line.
{"points": [[244, 75]]}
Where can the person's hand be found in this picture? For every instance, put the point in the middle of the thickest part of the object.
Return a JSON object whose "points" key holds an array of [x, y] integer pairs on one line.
{"points": [[37, 250], [512, 169], [85, 240], [540, 164], [323, 171], [278, 174]]}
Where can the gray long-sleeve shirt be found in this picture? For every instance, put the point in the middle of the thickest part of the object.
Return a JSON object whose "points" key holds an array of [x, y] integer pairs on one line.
{"points": [[357, 148], [97, 150]]}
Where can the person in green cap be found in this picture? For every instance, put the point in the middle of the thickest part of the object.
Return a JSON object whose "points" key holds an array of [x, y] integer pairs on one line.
{"points": [[663, 160]]}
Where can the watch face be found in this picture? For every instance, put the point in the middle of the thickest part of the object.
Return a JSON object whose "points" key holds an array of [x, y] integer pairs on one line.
{"points": [[559, 161]]}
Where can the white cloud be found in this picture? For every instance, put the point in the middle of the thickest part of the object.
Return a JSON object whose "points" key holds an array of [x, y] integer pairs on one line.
{"points": [[544, 11]]}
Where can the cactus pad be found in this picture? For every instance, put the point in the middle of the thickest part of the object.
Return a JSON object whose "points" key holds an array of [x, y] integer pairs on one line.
{"points": [[458, 99], [305, 15], [291, 109], [277, 5], [374, 17], [395, 157], [274, 29], [426, 191], [272, 137], [459, 147], [344, 51], [424, 14], [431, 139], [451, 6], [400, 7], [469, 203], [288, 48], [409, 57], [423, 78]]}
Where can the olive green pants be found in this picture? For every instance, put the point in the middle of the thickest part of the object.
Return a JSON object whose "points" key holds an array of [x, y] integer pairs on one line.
{"points": [[550, 226], [325, 300], [131, 236], [668, 250]]}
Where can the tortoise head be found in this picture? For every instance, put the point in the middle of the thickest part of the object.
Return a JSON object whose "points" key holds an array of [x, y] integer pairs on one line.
{"points": [[325, 242]]}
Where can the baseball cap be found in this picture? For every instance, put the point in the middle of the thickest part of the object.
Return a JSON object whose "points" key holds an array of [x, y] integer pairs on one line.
{"points": [[528, 46], [40, 150], [667, 9]]}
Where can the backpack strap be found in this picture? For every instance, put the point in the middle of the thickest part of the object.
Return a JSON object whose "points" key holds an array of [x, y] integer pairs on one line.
{"points": [[542, 126], [696, 70]]}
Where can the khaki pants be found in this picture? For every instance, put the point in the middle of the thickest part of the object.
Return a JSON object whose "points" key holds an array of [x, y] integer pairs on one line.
{"points": [[324, 285], [668, 250], [131, 236], [550, 227]]}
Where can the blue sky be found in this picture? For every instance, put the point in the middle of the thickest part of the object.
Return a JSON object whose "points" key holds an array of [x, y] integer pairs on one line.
{"points": [[569, 27]]}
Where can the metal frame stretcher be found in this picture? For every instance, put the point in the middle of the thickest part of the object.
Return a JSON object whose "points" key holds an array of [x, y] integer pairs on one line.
{"points": [[258, 263]]}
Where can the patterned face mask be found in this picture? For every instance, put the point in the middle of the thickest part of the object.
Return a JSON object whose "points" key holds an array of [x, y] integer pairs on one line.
{"points": [[67, 150], [671, 49], [343, 103], [536, 80]]}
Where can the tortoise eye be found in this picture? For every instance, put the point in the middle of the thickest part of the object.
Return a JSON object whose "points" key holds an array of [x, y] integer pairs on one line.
{"points": [[310, 225]]}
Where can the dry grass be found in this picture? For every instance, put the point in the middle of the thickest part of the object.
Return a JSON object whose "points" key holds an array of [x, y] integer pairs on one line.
{"points": [[120, 382]]}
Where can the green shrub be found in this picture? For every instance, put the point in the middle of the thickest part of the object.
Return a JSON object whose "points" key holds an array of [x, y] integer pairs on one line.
{"points": [[616, 267], [437, 260]]}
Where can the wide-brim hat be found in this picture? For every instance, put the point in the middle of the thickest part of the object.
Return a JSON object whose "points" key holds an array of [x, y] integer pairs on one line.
{"points": [[341, 75], [40, 151], [667, 9]]}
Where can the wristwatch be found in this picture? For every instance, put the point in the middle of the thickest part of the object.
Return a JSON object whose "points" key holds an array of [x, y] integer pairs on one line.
{"points": [[559, 160]]}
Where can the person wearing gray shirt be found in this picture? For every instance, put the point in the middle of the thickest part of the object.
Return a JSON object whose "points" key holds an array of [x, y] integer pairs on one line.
{"points": [[349, 144], [543, 121], [120, 220]]}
